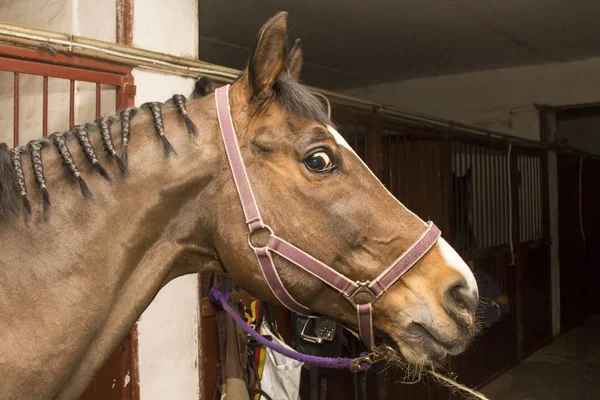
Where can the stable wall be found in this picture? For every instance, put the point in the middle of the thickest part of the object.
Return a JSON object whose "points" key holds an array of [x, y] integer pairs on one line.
{"points": [[502, 99], [168, 330]]}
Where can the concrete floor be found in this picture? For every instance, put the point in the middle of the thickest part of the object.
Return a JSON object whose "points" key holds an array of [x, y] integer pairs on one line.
{"points": [[568, 368]]}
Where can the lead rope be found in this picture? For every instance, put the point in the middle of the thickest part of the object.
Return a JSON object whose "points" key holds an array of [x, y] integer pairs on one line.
{"points": [[359, 364]]}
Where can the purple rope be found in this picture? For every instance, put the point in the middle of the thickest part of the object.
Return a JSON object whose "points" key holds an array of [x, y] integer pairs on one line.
{"points": [[219, 298]]}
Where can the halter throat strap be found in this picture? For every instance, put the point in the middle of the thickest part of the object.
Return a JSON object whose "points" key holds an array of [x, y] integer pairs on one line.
{"points": [[362, 295]]}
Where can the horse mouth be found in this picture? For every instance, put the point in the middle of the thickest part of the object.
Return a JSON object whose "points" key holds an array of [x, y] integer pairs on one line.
{"points": [[424, 345]]}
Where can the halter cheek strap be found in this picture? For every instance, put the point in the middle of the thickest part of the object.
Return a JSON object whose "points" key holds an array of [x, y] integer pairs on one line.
{"points": [[362, 295]]}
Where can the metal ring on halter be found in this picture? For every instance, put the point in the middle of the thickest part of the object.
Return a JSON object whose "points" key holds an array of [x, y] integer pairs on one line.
{"points": [[363, 287], [264, 227]]}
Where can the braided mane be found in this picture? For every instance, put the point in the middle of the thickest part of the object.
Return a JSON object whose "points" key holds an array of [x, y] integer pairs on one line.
{"points": [[13, 184]]}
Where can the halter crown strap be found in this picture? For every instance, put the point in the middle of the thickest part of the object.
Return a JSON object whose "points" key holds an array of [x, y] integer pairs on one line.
{"points": [[351, 290], [236, 163]]}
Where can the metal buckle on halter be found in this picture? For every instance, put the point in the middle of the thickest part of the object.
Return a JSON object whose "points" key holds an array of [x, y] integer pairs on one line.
{"points": [[378, 354], [363, 287], [325, 333]]}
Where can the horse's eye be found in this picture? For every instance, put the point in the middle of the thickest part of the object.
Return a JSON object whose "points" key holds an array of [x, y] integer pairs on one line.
{"points": [[319, 162]]}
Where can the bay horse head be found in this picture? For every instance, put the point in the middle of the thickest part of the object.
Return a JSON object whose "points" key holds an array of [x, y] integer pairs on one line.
{"points": [[78, 273], [315, 192]]}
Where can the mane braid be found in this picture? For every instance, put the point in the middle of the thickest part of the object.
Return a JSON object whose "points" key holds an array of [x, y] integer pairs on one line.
{"points": [[81, 133], [104, 124], [125, 116], [15, 156], [35, 152], [60, 142], [9, 191], [156, 111], [180, 101]]}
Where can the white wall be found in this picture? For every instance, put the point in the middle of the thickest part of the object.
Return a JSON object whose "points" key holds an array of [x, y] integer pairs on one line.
{"points": [[501, 99], [168, 329]]}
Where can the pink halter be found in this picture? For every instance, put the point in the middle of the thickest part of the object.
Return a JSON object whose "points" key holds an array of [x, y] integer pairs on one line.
{"points": [[349, 289]]}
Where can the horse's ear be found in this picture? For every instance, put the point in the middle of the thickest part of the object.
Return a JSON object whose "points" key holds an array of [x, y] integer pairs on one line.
{"points": [[294, 62], [203, 87], [268, 57]]}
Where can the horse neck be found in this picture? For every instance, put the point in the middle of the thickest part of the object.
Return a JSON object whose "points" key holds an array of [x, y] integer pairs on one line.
{"points": [[94, 265]]}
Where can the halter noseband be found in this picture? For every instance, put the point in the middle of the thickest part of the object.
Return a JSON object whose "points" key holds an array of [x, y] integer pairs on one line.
{"points": [[362, 295]]}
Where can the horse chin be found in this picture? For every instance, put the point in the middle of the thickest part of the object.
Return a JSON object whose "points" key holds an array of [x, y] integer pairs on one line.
{"points": [[421, 348]]}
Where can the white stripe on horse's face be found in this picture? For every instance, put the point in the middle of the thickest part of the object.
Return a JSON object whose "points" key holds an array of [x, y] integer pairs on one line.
{"points": [[449, 255], [339, 138]]}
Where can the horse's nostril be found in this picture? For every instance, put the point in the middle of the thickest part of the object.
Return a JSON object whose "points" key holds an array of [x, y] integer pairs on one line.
{"points": [[460, 296]]}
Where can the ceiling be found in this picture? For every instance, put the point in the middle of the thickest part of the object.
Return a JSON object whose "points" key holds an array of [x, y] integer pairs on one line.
{"points": [[352, 43]]}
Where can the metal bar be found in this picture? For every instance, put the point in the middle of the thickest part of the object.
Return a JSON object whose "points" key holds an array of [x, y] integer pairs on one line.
{"points": [[445, 182], [541, 200], [125, 22], [501, 190], [418, 191], [528, 197], [519, 190], [390, 169], [489, 195], [480, 205], [534, 204], [393, 161], [43, 56], [535, 200], [45, 108], [424, 165], [72, 104], [405, 172], [524, 185], [98, 101], [400, 177], [471, 223], [461, 200], [452, 193], [507, 198], [494, 196], [16, 110], [499, 198], [62, 72], [545, 189]]}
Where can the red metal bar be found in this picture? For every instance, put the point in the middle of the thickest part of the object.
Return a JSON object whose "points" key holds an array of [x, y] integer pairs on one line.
{"points": [[72, 104], [134, 368], [126, 93], [98, 102], [45, 108], [63, 72], [16, 109], [61, 60], [125, 22]]}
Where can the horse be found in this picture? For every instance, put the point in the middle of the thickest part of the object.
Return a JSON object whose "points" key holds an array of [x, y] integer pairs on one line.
{"points": [[115, 227]]}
